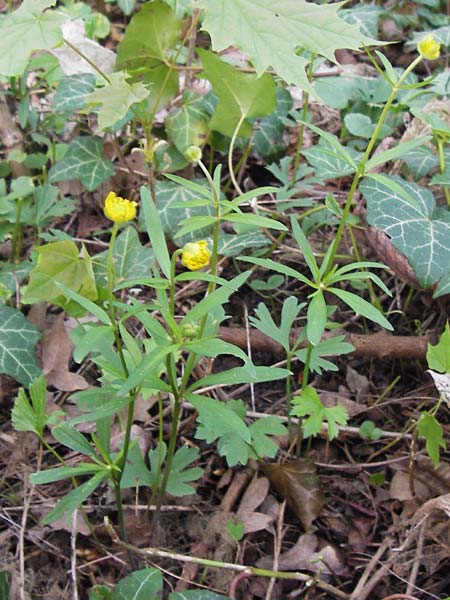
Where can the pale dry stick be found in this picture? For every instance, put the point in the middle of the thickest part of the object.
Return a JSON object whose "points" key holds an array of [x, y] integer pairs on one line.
{"points": [[23, 525], [361, 585], [291, 575], [73, 555], [276, 549], [417, 561], [400, 597]]}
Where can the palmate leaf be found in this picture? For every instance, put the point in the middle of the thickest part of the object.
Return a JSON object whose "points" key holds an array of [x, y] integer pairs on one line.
{"points": [[407, 213], [151, 33], [241, 95], [116, 98], [270, 33], [18, 338], [28, 28], [84, 161]]}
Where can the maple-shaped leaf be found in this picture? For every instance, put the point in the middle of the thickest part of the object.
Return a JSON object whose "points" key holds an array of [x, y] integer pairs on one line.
{"points": [[241, 95], [28, 28], [309, 403], [115, 98], [271, 32]]}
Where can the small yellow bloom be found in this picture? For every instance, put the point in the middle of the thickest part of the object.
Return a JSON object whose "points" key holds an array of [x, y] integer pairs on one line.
{"points": [[195, 255], [429, 48], [119, 209]]}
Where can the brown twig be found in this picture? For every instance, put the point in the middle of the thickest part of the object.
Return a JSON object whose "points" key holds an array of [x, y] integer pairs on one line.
{"points": [[376, 345]]}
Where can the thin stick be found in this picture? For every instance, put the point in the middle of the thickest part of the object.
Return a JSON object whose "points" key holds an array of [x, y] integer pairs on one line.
{"points": [[292, 575], [73, 555]]}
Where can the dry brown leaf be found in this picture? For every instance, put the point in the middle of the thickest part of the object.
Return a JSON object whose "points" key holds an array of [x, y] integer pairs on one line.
{"points": [[297, 482], [56, 355], [254, 495], [358, 536]]}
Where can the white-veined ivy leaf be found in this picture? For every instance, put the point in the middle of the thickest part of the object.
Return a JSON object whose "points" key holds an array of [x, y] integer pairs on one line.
{"points": [[268, 139], [328, 162], [365, 16], [71, 92], [115, 98], [241, 95], [232, 244], [170, 198], [197, 595], [270, 33], [84, 161], [443, 286], [18, 338], [131, 259], [26, 29], [421, 161], [416, 227], [145, 584], [152, 33], [188, 124]]}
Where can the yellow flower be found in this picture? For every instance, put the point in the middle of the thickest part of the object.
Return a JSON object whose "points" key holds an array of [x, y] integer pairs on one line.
{"points": [[119, 209], [429, 48], [195, 255]]}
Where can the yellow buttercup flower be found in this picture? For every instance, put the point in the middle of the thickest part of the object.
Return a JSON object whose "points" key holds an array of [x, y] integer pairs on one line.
{"points": [[119, 210], [429, 48], [195, 255]]}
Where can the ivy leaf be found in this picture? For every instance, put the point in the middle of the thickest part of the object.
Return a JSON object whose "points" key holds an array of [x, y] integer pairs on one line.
{"points": [[18, 338], [241, 95], [187, 125], [271, 32], [438, 356], [327, 160], [28, 28], [131, 259], [151, 33], [116, 98], [407, 213], [145, 584], [430, 429], [84, 161], [309, 403], [72, 91]]}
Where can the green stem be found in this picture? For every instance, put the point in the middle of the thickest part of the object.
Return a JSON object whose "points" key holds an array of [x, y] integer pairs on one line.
{"points": [[18, 232], [440, 143], [360, 171], [230, 155], [301, 131], [88, 60]]}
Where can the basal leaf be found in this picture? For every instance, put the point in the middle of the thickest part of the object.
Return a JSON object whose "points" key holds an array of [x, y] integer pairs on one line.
{"points": [[18, 338]]}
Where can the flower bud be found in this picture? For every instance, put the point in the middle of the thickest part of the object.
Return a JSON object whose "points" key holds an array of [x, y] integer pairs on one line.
{"points": [[119, 209], [193, 154], [195, 255], [429, 48]]}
